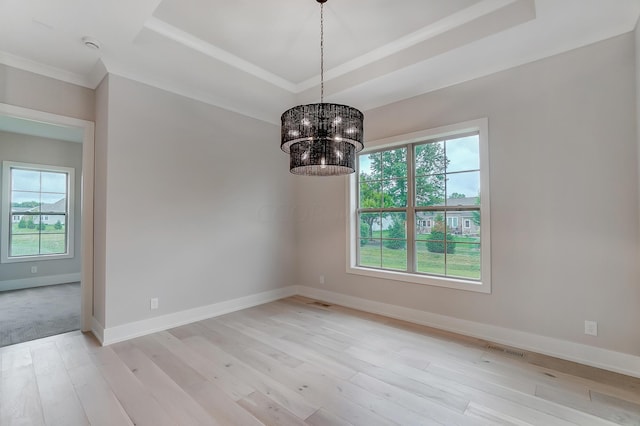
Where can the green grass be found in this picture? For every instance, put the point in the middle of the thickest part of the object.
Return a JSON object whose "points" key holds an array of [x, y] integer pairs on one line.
{"points": [[32, 242], [464, 262]]}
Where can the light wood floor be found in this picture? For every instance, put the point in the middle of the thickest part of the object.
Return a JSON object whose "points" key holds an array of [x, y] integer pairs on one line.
{"points": [[296, 362]]}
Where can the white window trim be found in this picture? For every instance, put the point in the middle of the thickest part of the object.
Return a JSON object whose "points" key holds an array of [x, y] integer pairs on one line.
{"points": [[484, 286], [6, 209], [465, 222]]}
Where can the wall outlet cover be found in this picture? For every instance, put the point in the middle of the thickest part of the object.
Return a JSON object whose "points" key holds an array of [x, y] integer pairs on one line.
{"points": [[591, 328]]}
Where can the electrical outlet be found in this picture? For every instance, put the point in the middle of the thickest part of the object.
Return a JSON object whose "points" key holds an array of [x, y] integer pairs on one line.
{"points": [[591, 328], [321, 279], [154, 303], [34, 269]]}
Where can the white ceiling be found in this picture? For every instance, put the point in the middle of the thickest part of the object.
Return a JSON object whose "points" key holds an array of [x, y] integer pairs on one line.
{"points": [[260, 58]]}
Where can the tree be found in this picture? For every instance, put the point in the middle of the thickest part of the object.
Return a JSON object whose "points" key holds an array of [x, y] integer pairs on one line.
{"points": [[391, 166], [475, 215], [397, 231], [27, 204], [58, 225], [30, 223], [364, 233], [385, 184], [430, 164], [457, 195], [42, 226], [370, 198], [437, 237]]}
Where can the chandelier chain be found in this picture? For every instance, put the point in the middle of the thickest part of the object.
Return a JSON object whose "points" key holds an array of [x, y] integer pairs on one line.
{"points": [[321, 52]]}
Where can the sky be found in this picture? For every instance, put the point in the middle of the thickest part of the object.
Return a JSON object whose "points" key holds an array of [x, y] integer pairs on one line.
{"points": [[32, 185], [463, 155]]}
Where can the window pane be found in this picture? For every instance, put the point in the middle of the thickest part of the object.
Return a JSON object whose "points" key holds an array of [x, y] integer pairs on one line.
{"points": [[370, 253], [394, 163], [394, 225], [370, 225], [425, 223], [53, 224], [463, 189], [25, 201], [395, 193], [463, 154], [54, 203], [394, 254], [430, 190], [53, 244], [24, 245], [430, 257], [454, 224], [437, 241], [370, 195], [464, 262], [394, 246], [370, 166], [54, 182], [429, 159], [468, 225], [25, 180]]}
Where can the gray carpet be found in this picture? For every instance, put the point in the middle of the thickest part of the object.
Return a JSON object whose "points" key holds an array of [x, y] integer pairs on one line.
{"points": [[39, 312]]}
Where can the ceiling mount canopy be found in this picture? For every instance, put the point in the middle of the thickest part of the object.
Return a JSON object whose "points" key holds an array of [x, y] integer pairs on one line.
{"points": [[322, 139]]}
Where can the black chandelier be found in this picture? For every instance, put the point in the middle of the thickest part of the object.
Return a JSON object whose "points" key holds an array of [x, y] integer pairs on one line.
{"points": [[322, 139]]}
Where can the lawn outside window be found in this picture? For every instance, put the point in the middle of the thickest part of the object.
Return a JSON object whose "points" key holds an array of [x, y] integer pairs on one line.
{"points": [[416, 213], [37, 212]]}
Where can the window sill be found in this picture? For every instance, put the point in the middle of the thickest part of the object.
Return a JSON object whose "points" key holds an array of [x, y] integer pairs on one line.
{"points": [[455, 283], [39, 258]]}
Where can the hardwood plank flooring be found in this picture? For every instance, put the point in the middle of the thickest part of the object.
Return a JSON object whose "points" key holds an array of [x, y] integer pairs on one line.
{"points": [[297, 362]]}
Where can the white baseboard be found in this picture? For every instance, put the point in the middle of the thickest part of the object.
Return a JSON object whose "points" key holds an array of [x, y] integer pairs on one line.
{"points": [[588, 355], [122, 332], [39, 281], [570, 351]]}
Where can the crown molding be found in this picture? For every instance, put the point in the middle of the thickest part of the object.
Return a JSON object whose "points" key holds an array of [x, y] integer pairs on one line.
{"points": [[199, 45], [44, 70]]}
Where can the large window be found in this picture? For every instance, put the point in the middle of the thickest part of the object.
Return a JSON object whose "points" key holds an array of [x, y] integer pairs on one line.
{"points": [[418, 210], [36, 211]]}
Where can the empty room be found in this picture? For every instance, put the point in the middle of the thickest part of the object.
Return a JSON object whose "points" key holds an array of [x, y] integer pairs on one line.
{"points": [[321, 212]]}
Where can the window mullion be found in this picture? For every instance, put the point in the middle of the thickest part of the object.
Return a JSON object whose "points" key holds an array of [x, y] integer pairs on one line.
{"points": [[410, 218]]}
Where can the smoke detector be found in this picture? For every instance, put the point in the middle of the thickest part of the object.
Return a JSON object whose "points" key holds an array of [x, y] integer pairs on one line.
{"points": [[91, 43]]}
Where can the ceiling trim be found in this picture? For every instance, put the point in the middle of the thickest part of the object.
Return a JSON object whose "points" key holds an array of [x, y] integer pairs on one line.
{"points": [[446, 24], [45, 70], [453, 21], [190, 94], [197, 44]]}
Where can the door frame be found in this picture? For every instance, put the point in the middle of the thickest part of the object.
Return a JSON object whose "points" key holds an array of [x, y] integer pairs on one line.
{"points": [[86, 195]]}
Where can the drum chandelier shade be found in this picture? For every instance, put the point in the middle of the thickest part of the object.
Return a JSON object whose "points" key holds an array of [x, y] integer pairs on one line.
{"points": [[322, 139]]}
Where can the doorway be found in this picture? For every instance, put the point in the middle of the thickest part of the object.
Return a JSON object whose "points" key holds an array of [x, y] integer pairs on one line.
{"points": [[23, 121]]}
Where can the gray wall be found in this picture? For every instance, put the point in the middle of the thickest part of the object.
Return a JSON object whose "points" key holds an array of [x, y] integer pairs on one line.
{"points": [[33, 91], [185, 194], [637, 52], [564, 199], [31, 149], [100, 201]]}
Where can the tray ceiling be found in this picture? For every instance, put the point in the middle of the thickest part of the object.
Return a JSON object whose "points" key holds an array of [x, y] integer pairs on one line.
{"points": [[259, 58]]}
